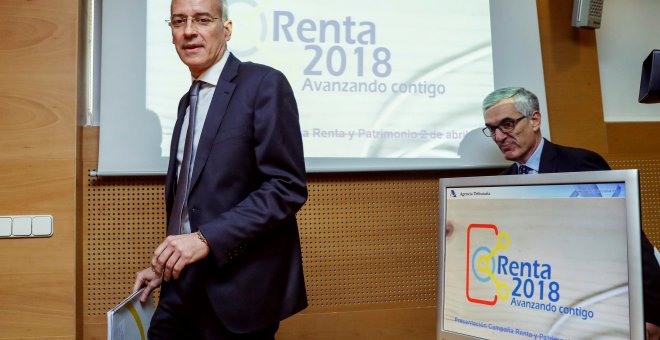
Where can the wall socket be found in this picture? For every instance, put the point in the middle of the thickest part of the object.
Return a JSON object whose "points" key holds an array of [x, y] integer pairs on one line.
{"points": [[26, 226]]}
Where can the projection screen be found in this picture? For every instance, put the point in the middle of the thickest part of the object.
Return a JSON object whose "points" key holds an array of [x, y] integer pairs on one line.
{"points": [[385, 85]]}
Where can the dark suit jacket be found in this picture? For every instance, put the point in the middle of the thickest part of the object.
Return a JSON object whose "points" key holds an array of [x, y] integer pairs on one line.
{"points": [[248, 182], [557, 158]]}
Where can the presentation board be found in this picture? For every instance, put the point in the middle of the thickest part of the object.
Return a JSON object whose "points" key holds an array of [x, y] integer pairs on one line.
{"points": [[548, 256], [397, 85]]}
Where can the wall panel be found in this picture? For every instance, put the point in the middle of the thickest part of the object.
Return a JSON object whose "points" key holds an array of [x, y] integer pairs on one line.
{"points": [[572, 82], [649, 182], [38, 141], [629, 138], [369, 249]]}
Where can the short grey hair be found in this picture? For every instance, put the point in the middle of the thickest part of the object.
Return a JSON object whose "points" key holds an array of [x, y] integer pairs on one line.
{"points": [[224, 10], [524, 100]]}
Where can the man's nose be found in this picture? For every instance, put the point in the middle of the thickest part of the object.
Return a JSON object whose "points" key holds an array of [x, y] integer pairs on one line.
{"points": [[498, 135], [190, 28]]}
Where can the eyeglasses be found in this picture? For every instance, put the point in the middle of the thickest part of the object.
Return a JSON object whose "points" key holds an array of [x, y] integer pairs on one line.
{"points": [[201, 21], [507, 125]]}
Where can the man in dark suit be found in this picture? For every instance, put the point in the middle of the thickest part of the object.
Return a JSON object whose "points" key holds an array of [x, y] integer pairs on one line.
{"points": [[513, 121], [230, 267]]}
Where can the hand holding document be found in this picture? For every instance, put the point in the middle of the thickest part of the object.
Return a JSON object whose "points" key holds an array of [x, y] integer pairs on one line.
{"points": [[130, 319]]}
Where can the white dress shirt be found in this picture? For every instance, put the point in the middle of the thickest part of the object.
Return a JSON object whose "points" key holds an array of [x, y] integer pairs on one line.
{"points": [[210, 81]]}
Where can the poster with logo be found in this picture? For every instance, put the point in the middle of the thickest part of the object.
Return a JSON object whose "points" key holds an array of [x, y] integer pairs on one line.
{"points": [[385, 85], [537, 262]]}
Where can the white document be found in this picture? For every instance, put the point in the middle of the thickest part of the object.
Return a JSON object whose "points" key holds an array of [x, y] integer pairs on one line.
{"points": [[130, 319]]}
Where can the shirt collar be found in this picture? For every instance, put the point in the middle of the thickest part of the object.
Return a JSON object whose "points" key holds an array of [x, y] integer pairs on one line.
{"points": [[212, 74], [534, 161]]}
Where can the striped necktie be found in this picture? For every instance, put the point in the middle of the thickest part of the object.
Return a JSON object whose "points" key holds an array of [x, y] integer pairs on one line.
{"points": [[174, 226], [524, 169]]}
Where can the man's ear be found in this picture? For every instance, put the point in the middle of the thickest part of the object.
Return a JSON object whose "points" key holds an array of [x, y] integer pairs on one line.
{"points": [[228, 26], [535, 119]]}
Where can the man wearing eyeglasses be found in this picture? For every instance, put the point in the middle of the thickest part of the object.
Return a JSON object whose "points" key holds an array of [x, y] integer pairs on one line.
{"points": [[230, 267], [513, 121]]}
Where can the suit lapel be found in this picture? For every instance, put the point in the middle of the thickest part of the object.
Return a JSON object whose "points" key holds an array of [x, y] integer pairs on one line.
{"points": [[217, 110], [548, 162]]}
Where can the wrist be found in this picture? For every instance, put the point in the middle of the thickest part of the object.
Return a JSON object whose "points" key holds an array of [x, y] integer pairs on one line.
{"points": [[201, 237]]}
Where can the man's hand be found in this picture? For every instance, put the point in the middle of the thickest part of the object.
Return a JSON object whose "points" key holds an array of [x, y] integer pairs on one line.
{"points": [[449, 229], [176, 252], [149, 279], [652, 331]]}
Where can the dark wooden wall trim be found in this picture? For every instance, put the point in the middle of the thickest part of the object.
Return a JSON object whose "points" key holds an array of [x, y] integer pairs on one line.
{"points": [[635, 138]]}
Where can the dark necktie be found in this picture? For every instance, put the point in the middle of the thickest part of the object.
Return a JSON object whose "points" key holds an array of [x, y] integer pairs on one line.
{"points": [[183, 182], [524, 169]]}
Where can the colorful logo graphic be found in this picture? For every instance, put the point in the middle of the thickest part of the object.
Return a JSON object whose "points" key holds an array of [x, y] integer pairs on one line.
{"points": [[480, 264]]}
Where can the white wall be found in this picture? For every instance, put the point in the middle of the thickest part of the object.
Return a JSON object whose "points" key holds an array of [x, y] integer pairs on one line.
{"points": [[630, 29]]}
